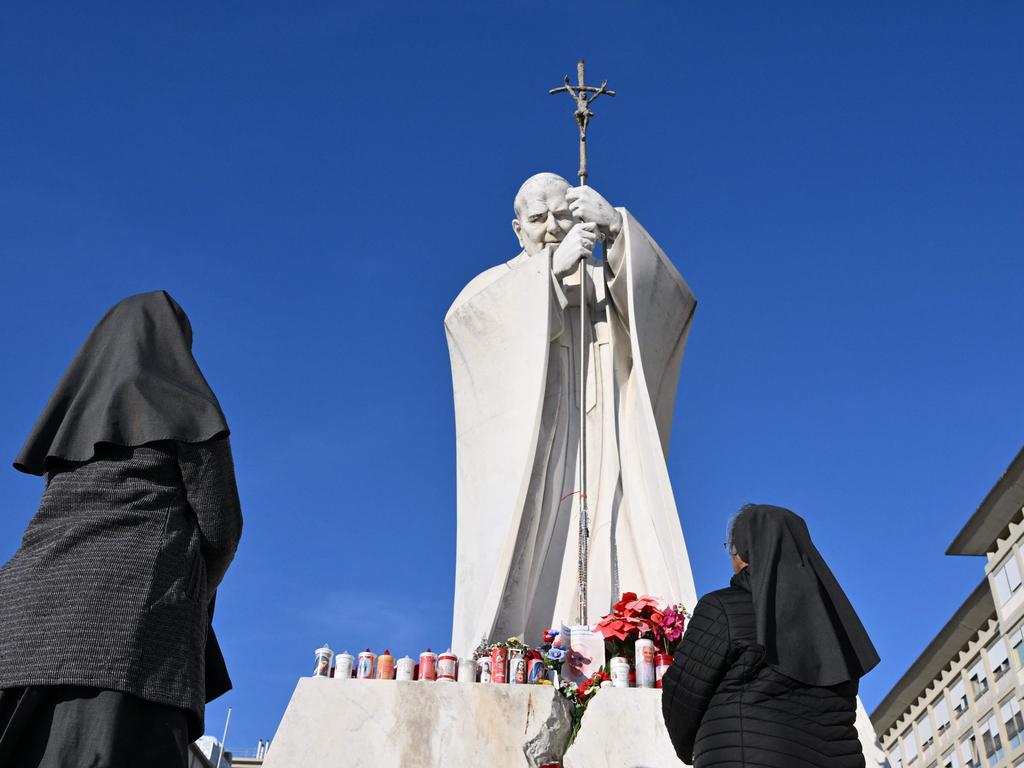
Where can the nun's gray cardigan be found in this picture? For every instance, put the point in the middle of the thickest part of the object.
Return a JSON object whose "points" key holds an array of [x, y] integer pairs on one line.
{"points": [[110, 586]]}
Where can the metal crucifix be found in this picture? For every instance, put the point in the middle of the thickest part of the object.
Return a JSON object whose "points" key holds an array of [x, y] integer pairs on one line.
{"points": [[579, 94], [583, 95]]}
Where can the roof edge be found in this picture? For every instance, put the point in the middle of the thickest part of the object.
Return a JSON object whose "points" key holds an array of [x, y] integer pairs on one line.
{"points": [[965, 622], [1000, 505]]}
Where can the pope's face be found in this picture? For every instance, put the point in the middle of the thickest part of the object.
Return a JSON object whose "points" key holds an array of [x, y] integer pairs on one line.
{"points": [[544, 217]]}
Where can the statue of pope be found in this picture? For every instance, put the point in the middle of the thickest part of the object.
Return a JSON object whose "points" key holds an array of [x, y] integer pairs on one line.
{"points": [[513, 337]]}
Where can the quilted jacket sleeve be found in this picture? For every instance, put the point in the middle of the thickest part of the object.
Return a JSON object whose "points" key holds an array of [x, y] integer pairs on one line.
{"points": [[208, 472], [699, 665]]}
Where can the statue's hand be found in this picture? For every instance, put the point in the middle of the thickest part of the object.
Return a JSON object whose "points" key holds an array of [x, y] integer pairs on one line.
{"points": [[588, 205], [577, 245]]}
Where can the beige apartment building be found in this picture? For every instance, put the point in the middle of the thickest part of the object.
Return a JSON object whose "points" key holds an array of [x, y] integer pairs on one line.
{"points": [[959, 704]]}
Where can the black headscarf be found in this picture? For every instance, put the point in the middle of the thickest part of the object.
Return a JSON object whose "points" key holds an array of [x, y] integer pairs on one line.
{"points": [[133, 381], [805, 622]]}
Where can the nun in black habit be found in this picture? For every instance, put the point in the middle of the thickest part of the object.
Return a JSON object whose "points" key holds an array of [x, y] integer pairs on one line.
{"points": [[107, 656], [768, 669]]}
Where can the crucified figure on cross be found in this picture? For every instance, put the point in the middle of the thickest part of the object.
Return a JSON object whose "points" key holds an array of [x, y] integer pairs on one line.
{"points": [[584, 95]]}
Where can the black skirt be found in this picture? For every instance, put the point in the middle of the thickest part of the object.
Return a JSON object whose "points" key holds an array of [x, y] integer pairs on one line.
{"points": [[74, 727]]}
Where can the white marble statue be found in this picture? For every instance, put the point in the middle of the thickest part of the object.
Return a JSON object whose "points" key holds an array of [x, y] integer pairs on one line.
{"points": [[513, 336]]}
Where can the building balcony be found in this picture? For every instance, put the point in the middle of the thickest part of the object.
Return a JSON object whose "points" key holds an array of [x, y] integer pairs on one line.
{"points": [[1012, 611], [1005, 684], [928, 754], [982, 703], [946, 740], [963, 724]]}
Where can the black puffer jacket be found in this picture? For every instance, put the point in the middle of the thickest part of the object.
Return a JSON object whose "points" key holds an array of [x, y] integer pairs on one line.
{"points": [[725, 708]]}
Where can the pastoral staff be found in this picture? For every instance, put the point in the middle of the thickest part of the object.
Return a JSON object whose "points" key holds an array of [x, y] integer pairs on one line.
{"points": [[107, 656]]}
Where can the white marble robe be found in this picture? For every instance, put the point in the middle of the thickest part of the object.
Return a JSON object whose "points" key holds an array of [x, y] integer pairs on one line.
{"points": [[513, 337]]}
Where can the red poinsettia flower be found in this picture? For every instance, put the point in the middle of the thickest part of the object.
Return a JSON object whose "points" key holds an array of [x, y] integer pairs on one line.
{"points": [[622, 627], [639, 606], [627, 598], [631, 617], [614, 627]]}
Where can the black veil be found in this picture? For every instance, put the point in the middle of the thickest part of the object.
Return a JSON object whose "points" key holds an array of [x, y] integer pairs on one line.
{"points": [[134, 381], [805, 622]]}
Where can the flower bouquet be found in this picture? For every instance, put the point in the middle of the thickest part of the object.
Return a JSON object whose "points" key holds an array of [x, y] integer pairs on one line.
{"points": [[513, 644], [633, 618], [552, 654], [579, 696]]}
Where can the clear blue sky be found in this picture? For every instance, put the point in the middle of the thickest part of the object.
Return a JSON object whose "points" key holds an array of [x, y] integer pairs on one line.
{"points": [[842, 185]]}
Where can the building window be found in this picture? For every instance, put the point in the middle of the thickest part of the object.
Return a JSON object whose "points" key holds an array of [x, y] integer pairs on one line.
{"points": [[941, 714], [924, 732], [958, 693], [992, 742], [1013, 721], [978, 678], [998, 658], [969, 752], [1016, 639], [894, 758], [909, 746], [949, 760], [1007, 579]]}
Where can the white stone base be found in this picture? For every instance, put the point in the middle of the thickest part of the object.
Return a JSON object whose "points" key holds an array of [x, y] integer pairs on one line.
{"points": [[386, 723], [623, 728]]}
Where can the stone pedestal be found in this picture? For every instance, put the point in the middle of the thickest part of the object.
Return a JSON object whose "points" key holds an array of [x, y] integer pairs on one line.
{"points": [[623, 728], [391, 724]]}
